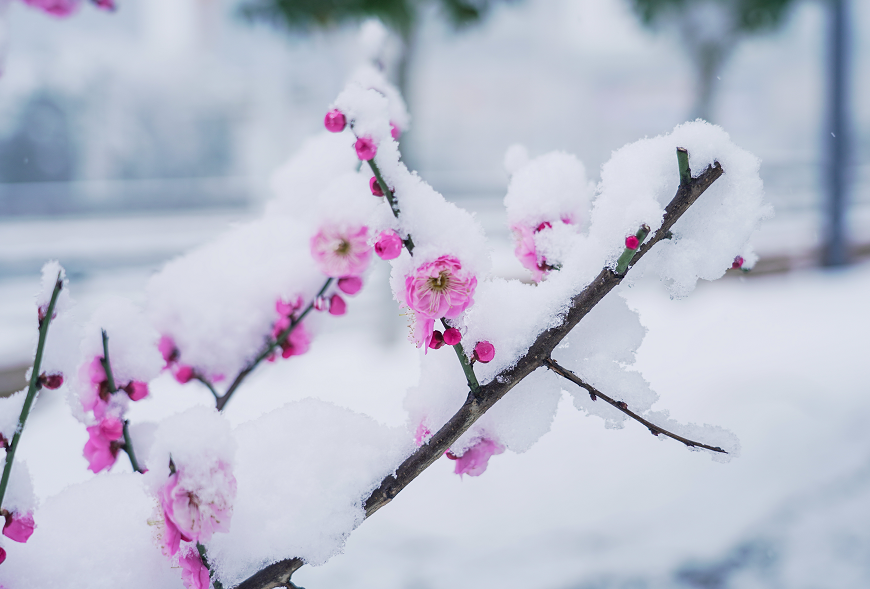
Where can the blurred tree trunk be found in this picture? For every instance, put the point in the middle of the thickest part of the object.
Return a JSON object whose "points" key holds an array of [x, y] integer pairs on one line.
{"points": [[835, 251]]}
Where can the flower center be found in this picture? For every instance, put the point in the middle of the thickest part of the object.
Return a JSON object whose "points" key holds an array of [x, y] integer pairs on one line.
{"points": [[440, 283], [343, 248]]}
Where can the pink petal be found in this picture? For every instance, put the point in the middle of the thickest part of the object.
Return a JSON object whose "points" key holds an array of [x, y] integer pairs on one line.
{"points": [[19, 527]]}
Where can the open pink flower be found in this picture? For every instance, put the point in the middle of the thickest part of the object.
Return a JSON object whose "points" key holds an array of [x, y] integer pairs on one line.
{"points": [[475, 460], [55, 7], [19, 527], [341, 252], [100, 449], [194, 574], [527, 253], [197, 512], [440, 288]]}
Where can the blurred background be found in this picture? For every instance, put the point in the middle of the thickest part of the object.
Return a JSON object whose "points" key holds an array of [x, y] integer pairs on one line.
{"points": [[129, 137]]}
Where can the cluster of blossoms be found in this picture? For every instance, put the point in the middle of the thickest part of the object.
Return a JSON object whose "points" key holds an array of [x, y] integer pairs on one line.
{"points": [[438, 289], [62, 8], [105, 438], [193, 509], [298, 340]]}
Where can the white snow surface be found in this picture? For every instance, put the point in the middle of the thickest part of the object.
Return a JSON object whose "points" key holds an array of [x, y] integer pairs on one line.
{"points": [[303, 472]]}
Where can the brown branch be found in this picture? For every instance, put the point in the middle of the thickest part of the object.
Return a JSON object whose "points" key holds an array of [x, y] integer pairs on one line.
{"points": [[539, 352], [621, 405]]}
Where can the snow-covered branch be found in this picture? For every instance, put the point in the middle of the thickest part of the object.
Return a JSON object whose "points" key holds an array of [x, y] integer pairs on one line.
{"points": [[538, 354]]}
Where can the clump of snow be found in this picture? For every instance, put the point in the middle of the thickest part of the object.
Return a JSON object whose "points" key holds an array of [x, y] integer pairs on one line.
{"points": [[19, 497], [52, 272], [549, 188], [10, 410], [194, 439], [94, 535], [303, 472], [642, 178], [132, 341]]}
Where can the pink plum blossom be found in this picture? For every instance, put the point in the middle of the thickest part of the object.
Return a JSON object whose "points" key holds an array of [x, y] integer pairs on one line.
{"points": [[194, 511], [475, 460], [184, 373], [440, 288], [18, 527], [484, 352], [136, 390], [334, 121], [341, 252], [51, 381], [59, 8], [436, 340], [167, 349], [350, 284], [94, 395], [375, 187], [527, 253], [337, 306], [365, 148], [100, 451], [297, 343], [452, 336], [395, 132], [194, 574], [422, 434], [738, 263], [388, 245]]}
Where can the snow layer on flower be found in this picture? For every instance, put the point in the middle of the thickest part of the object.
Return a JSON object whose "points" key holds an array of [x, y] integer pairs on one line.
{"points": [[217, 303], [441, 391], [195, 439], [10, 410], [550, 188], [641, 179], [94, 535], [303, 471], [19, 497], [133, 351]]}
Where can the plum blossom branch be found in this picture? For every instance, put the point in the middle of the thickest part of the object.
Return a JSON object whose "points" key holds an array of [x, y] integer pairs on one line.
{"points": [[621, 405], [33, 387], [221, 401], [110, 379], [467, 368], [278, 574], [391, 198]]}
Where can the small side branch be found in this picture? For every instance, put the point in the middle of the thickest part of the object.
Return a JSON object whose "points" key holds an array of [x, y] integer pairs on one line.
{"points": [[274, 575], [110, 380], [467, 368], [221, 401], [32, 388], [595, 393]]}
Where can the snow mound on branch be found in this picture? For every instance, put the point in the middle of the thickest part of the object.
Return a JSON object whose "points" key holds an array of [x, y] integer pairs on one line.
{"points": [[93, 535], [303, 471], [642, 178]]}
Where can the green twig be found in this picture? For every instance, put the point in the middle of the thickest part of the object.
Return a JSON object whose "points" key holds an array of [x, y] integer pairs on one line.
{"points": [[391, 198], [683, 163], [628, 254], [110, 380], [467, 368], [32, 388], [204, 557]]}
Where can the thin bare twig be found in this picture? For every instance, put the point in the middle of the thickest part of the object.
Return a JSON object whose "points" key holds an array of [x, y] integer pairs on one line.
{"points": [[622, 406], [278, 574]]}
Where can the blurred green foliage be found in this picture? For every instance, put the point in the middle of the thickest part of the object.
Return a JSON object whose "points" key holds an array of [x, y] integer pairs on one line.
{"points": [[751, 15], [399, 15]]}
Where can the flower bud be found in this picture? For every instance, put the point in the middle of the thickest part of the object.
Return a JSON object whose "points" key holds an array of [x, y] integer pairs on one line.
{"points": [[484, 352], [375, 186], [389, 245], [437, 340], [452, 336], [365, 148], [337, 306], [334, 121], [631, 242], [350, 284]]}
